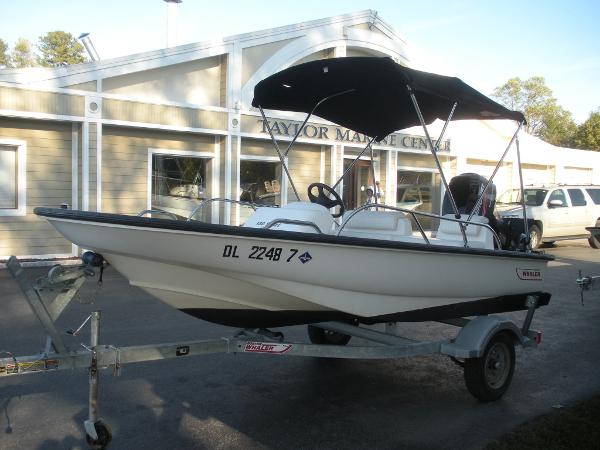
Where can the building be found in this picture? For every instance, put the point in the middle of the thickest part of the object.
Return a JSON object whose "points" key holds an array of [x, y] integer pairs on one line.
{"points": [[169, 127]]}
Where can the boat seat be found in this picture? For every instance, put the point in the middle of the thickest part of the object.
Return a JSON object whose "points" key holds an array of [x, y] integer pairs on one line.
{"points": [[304, 211], [388, 225], [477, 237]]}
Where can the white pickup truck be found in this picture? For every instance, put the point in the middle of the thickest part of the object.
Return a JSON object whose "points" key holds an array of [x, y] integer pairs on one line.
{"points": [[559, 211]]}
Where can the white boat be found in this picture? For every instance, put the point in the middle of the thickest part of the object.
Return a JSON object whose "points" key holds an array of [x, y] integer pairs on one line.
{"points": [[296, 264]]}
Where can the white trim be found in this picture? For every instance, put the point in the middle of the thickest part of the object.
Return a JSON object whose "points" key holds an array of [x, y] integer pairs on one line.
{"points": [[340, 189], [362, 158], [105, 95], [236, 188], [99, 167], [36, 115], [192, 153], [157, 126], [333, 165], [227, 180], [74, 174], [148, 101], [417, 169], [21, 194], [74, 166], [216, 179], [55, 90], [322, 165], [260, 158], [82, 73], [85, 166]]}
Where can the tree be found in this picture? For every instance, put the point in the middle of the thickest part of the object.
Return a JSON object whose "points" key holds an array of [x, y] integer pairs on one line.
{"points": [[4, 57], [588, 133], [60, 48], [545, 118], [558, 127], [22, 55]]}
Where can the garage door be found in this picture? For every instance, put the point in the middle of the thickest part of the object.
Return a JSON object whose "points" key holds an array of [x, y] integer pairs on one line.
{"points": [[577, 175], [502, 179], [536, 174]]}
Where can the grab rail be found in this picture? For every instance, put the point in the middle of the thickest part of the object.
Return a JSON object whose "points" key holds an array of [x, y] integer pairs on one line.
{"points": [[158, 211], [414, 214], [292, 222], [224, 200]]}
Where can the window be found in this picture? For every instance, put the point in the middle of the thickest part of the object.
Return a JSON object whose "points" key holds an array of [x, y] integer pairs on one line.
{"points": [[577, 198], [8, 177], [260, 183], [179, 184], [595, 194], [419, 191], [12, 178], [557, 194]]}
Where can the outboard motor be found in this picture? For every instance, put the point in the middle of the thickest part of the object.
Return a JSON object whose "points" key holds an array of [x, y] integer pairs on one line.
{"points": [[466, 189]]}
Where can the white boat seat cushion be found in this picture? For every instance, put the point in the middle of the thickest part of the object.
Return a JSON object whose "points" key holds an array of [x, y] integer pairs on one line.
{"points": [[302, 211], [477, 236], [389, 225]]}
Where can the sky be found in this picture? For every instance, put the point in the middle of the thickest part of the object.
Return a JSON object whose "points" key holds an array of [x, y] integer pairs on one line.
{"points": [[482, 42]]}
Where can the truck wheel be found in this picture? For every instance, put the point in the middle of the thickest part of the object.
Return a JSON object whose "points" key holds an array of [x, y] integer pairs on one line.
{"points": [[488, 377], [325, 337], [535, 236]]}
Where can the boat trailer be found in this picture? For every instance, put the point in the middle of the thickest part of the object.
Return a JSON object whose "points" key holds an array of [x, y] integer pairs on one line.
{"points": [[484, 346]]}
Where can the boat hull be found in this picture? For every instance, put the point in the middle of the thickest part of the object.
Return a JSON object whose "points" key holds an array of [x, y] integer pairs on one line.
{"points": [[262, 278]]}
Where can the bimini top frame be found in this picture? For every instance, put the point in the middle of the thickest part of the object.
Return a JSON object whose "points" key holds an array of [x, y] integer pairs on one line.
{"points": [[351, 92]]}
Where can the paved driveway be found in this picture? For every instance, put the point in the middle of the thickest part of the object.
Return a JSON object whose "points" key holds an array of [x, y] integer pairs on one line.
{"points": [[261, 402]]}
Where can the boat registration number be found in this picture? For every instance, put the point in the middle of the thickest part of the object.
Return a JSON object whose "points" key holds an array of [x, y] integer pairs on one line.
{"points": [[261, 253]]}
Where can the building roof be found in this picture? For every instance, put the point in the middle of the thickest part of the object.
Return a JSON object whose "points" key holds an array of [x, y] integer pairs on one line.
{"points": [[81, 73]]}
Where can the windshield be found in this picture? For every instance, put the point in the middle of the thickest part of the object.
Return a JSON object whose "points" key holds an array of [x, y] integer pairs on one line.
{"points": [[533, 197]]}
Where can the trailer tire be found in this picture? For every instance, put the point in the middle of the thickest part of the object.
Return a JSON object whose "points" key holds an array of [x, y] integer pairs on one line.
{"points": [[488, 377], [104, 436], [325, 337]]}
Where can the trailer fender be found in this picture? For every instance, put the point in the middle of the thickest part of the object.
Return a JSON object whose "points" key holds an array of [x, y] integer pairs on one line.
{"points": [[474, 337]]}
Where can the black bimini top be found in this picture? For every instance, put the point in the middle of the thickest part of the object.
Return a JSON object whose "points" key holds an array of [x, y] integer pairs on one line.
{"points": [[374, 95], [262, 233]]}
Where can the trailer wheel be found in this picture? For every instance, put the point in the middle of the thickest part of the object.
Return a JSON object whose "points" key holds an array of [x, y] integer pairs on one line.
{"points": [[325, 337], [104, 436], [535, 236], [488, 377]]}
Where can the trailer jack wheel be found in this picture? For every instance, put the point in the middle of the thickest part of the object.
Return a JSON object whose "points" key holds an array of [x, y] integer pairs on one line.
{"points": [[104, 436], [327, 337], [488, 377]]}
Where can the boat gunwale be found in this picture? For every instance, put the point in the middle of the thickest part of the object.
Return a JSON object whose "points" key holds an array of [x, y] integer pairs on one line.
{"points": [[261, 233]]}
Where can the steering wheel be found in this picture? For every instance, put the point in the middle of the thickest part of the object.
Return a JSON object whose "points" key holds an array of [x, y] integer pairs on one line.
{"points": [[323, 198]]}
